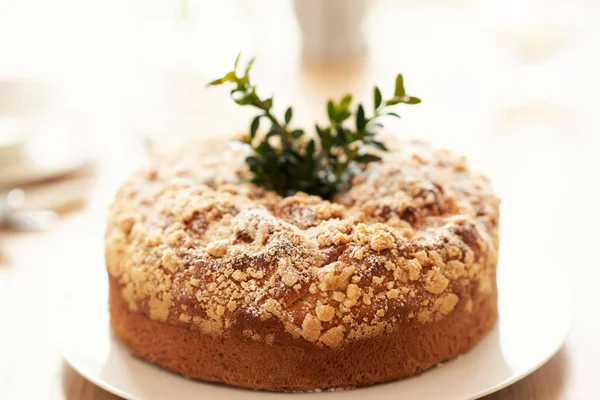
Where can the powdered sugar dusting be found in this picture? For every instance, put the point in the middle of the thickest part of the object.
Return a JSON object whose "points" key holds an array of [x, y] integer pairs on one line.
{"points": [[192, 243]]}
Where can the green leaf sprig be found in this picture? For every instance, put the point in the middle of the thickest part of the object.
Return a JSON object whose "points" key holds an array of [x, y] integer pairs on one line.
{"points": [[285, 160]]}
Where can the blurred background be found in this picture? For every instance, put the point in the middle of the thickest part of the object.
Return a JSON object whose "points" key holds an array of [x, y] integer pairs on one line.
{"points": [[85, 83], [89, 89]]}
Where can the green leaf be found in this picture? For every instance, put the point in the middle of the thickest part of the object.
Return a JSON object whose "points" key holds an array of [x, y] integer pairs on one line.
{"points": [[324, 137], [243, 98], [245, 139], [345, 102], [367, 158], [399, 91], [249, 67], [266, 104], [376, 98], [237, 61], [412, 100], [320, 131], [342, 115], [228, 77], [264, 147], [273, 132], [339, 168], [377, 145], [310, 148], [297, 133], [254, 126], [360, 118], [352, 154], [342, 135], [403, 99], [331, 112], [392, 114], [288, 115]]}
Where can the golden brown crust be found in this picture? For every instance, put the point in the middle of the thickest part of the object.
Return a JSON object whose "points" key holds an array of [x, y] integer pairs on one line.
{"points": [[412, 246], [297, 365]]}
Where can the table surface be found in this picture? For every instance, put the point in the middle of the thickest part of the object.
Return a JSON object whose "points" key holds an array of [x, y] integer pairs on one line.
{"points": [[531, 125]]}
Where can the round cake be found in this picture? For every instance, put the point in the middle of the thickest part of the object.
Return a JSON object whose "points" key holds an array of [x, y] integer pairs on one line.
{"points": [[218, 279]]}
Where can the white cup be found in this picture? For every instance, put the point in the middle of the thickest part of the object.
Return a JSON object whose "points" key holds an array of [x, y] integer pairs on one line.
{"points": [[331, 27]]}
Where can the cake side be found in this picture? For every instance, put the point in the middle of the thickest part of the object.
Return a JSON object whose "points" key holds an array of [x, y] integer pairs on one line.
{"points": [[298, 365]]}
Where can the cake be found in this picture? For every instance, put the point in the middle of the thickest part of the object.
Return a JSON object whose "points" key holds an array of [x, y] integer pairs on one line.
{"points": [[220, 280]]}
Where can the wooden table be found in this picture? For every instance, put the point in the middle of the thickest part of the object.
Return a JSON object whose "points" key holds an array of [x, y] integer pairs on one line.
{"points": [[532, 128]]}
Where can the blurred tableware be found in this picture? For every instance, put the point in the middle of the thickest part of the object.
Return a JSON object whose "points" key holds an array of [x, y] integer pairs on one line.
{"points": [[331, 27], [53, 147], [14, 217], [21, 102], [537, 38], [60, 195], [43, 152], [39, 163], [13, 132], [533, 30], [24, 98]]}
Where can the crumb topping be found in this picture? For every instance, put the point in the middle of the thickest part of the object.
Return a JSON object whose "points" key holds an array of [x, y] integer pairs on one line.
{"points": [[192, 243]]}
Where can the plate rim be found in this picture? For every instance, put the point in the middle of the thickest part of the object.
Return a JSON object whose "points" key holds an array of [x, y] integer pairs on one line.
{"points": [[101, 383], [563, 321]]}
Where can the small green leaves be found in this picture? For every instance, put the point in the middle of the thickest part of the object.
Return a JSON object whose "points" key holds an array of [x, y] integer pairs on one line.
{"points": [[237, 61], [297, 133], [310, 148], [405, 100], [400, 94], [228, 77], [338, 113], [360, 119], [411, 100], [241, 98], [331, 112], [376, 98], [343, 115], [254, 126], [265, 104], [249, 67], [399, 90], [367, 158], [323, 165], [377, 145], [345, 102]]}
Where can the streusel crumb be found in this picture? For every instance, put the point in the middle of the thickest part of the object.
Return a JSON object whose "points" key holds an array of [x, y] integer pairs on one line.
{"points": [[193, 243]]}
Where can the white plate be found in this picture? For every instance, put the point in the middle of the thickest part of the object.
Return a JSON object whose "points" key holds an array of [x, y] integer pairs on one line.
{"points": [[534, 321]]}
